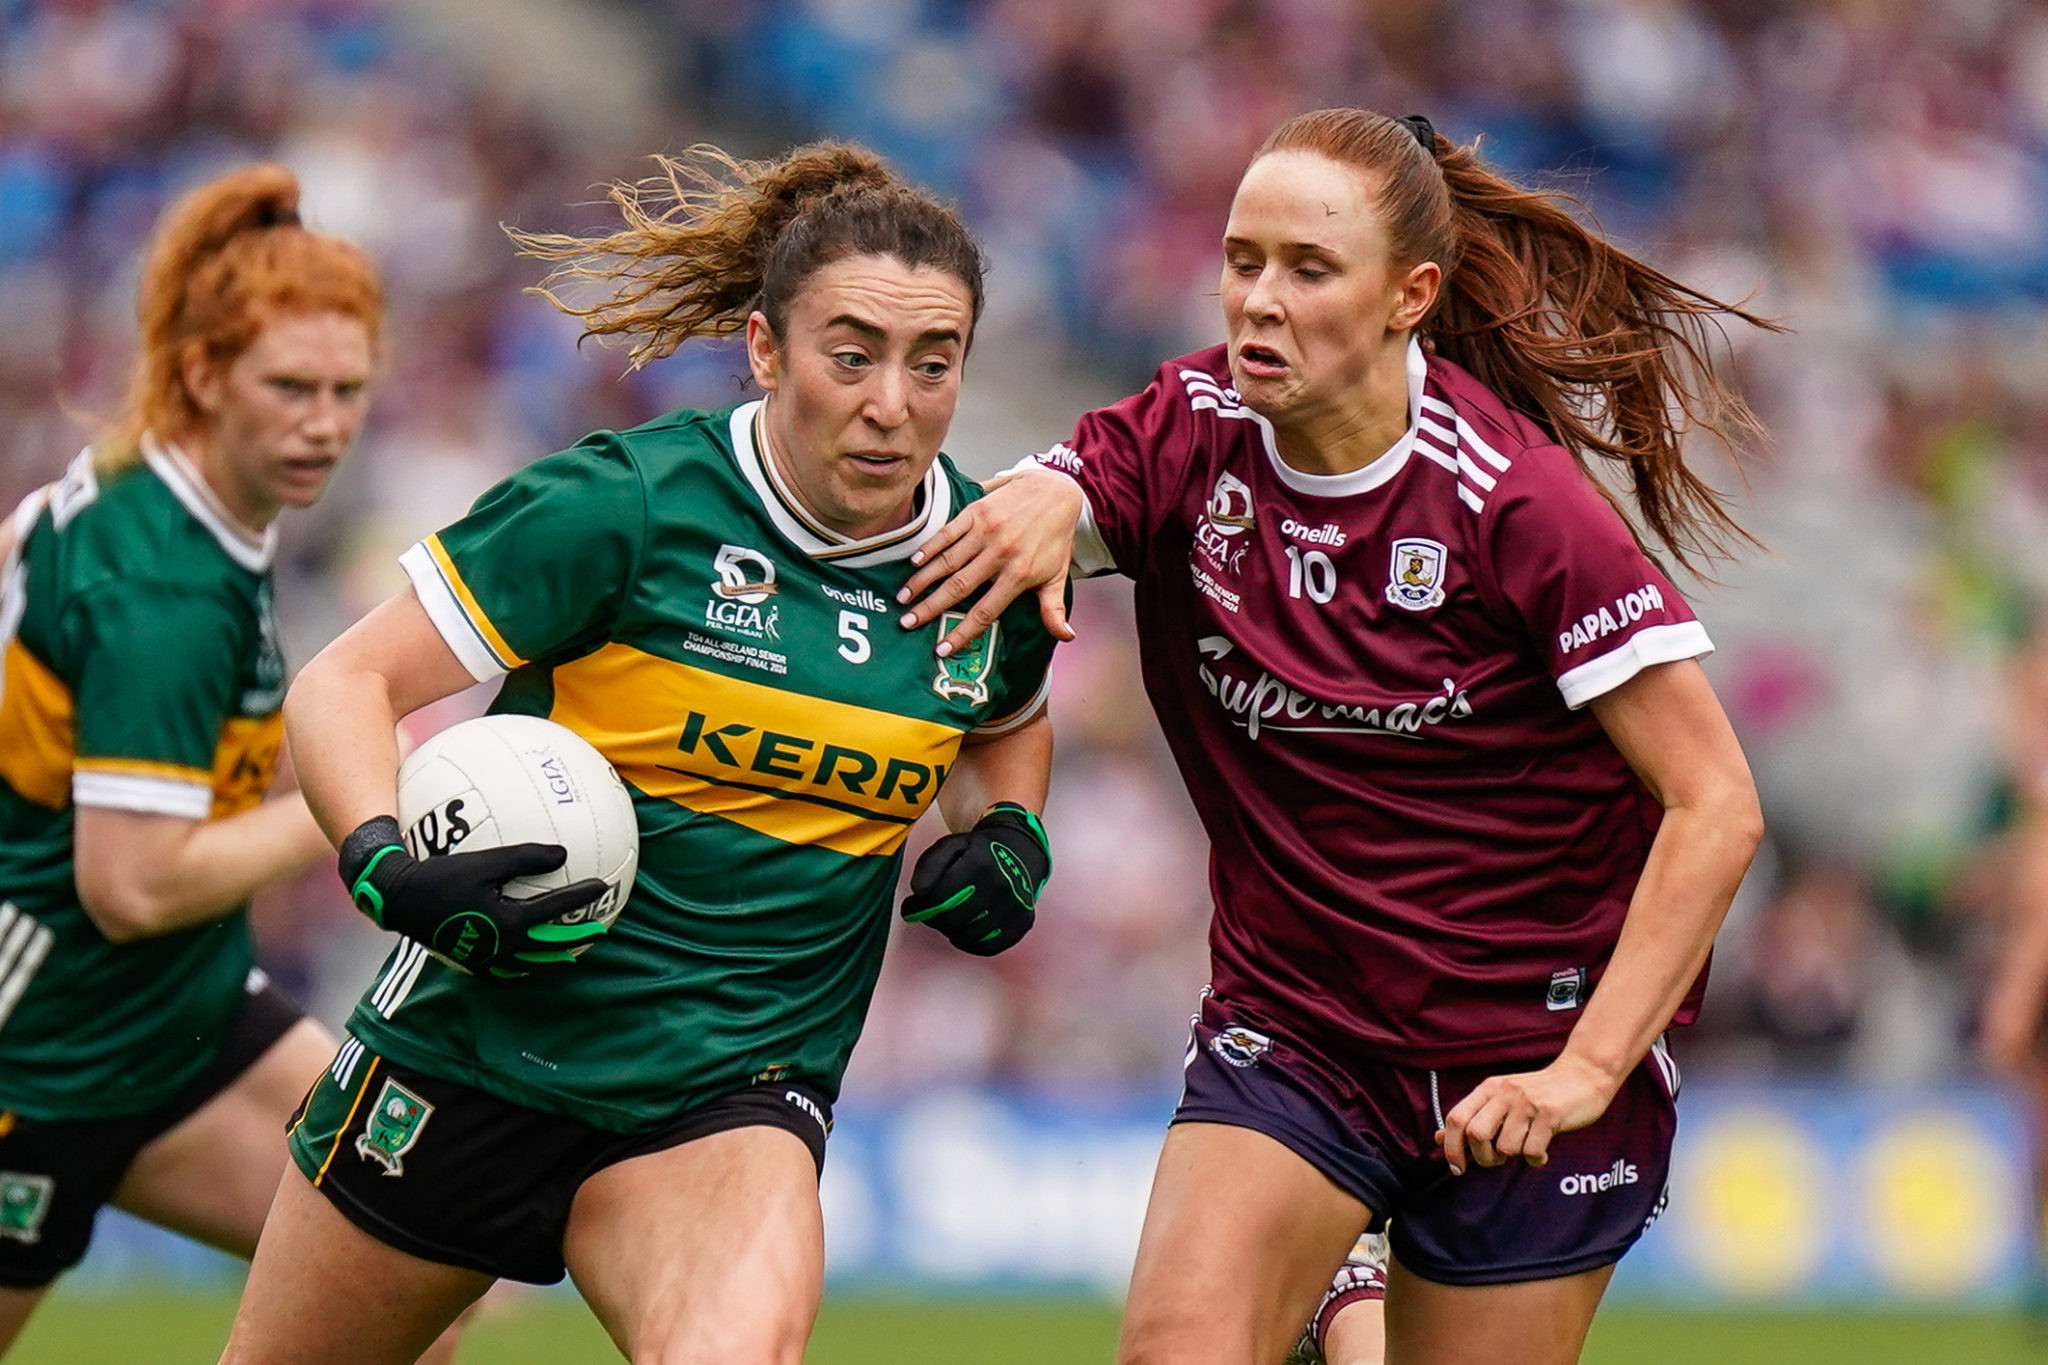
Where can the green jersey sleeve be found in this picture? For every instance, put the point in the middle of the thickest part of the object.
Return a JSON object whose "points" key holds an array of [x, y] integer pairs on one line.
{"points": [[155, 681], [543, 560]]}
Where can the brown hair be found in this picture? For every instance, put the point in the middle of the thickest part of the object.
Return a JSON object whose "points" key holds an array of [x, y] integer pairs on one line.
{"points": [[1608, 355], [708, 240], [226, 259]]}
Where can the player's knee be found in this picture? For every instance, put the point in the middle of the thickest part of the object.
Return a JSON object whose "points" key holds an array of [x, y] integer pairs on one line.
{"points": [[1180, 1339], [759, 1341]]}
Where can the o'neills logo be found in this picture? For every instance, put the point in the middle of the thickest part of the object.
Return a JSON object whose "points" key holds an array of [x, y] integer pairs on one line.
{"points": [[1619, 1174]]}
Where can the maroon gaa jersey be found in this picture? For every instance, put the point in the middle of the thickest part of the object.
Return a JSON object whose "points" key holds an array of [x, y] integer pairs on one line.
{"points": [[1374, 682]]}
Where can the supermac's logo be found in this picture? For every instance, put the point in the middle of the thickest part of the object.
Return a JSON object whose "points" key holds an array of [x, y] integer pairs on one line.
{"points": [[1415, 579], [746, 579], [964, 672]]}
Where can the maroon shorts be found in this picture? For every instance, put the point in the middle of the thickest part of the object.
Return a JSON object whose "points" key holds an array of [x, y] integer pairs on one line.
{"points": [[1604, 1185]]}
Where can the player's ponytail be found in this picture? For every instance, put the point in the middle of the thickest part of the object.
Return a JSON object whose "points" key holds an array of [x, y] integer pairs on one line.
{"points": [[224, 260], [1610, 356], [707, 240]]}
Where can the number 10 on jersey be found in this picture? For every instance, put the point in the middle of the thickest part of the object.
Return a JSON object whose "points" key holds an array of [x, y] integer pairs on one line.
{"points": [[1312, 571]]}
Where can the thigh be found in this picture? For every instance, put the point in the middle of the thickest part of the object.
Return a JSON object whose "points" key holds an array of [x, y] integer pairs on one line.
{"points": [[212, 1175], [1535, 1322], [707, 1253], [323, 1292], [15, 1306], [1241, 1238]]}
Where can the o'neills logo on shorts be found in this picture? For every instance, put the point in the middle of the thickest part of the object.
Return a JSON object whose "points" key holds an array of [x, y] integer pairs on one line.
{"points": [[1619, 1174], [1240, 1046]]}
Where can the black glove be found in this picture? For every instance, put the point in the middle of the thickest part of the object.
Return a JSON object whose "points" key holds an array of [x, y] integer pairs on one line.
{"points": [[455, 903], [980, 888]]}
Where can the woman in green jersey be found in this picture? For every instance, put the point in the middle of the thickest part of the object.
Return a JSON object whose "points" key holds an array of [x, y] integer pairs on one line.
{"points": [[706, 599], [144, 1060]]}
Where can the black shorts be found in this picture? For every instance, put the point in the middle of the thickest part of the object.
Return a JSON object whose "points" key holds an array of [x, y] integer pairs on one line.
{"points": [[55, 1175], [1602, 1188], [454, 1175]]}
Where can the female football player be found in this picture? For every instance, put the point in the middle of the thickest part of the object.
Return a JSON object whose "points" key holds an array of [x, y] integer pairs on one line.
{"points": [[1475, 811], [706, 600], [144, 1061]]}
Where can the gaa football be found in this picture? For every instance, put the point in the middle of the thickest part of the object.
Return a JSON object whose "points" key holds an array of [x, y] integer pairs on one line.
{"points": [[509, 779]]}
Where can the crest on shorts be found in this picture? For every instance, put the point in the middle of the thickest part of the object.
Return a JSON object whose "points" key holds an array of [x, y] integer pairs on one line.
{"points": [[24, 1203], [1567, 989], [1415, 580], [394, 1126], [1240, 1046], [964, 672]]}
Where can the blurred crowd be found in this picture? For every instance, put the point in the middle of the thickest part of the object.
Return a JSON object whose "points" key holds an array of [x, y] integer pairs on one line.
{"points": [[1872, 172]]}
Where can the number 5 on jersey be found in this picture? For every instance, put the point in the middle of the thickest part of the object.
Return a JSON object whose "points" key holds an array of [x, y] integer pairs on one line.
{"points": [[853, 629]]}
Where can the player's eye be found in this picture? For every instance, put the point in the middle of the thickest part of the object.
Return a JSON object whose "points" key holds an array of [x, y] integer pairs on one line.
{"points": [[1313, 273], [934, 369], [294, 388], [851, 360]]}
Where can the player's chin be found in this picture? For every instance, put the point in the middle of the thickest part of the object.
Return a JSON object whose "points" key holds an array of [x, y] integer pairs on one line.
{"points": [[301, 486], [1269, 397]]}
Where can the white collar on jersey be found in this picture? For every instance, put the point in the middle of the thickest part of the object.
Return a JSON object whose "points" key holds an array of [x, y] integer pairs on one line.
{"points": [[253, 551], [818, 541], [1369, 476]]}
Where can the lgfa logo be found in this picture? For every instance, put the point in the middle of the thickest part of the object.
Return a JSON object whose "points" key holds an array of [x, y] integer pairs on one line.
{"points": [[1230, 505], [746, 579], [1619, 1174]]}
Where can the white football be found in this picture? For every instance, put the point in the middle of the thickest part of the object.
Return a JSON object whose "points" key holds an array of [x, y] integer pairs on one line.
{"points": [[509, 779]]}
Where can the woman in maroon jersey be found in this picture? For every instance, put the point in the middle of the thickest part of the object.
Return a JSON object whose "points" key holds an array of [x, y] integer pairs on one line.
{"points": [[1475, 812]]}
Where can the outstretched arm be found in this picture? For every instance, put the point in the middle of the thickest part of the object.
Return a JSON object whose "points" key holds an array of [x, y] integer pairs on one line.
{"points": [[1668, 725], [1019, 537], [2019, 986]]}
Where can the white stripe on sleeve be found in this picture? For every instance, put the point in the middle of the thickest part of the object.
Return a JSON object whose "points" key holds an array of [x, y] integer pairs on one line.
{"points": [[149, 795], [1647, 647], [445, 610]]}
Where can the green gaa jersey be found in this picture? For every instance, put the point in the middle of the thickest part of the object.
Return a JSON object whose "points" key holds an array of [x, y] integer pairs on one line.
{"points": [[142, 673], [662, 593]]}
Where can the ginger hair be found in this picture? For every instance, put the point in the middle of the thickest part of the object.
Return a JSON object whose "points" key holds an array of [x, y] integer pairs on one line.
{"points": [[225, 260]]}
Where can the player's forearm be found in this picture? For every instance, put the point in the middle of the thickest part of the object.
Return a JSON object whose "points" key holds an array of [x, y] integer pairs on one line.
{"points": [[159, 874], [1012, 767], [222, 863], [341, 723], [2020, 980], [1696, 862]]}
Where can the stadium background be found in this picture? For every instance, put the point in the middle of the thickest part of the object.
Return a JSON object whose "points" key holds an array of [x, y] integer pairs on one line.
{"points": [[1875, 172]]}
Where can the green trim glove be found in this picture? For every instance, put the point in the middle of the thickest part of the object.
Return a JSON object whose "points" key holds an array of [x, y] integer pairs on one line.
{"points": [[455, 903], [980, 887]]}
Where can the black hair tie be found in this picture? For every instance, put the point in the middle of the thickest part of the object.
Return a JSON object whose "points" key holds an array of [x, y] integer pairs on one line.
{"points": [[1422, 128]]}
